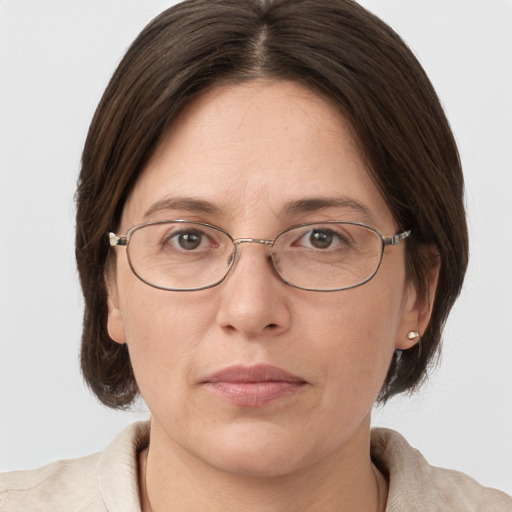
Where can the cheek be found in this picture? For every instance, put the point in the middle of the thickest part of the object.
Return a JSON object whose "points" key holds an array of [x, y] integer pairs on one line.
{"points": [[359, 339], [355, 336], [163, 332]]}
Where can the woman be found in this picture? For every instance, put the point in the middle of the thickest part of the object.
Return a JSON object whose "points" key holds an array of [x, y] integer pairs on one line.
{"points": [[270, 235]]}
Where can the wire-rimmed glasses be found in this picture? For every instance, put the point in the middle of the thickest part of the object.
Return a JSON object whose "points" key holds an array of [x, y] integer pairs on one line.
{"points": [[179, 255]]}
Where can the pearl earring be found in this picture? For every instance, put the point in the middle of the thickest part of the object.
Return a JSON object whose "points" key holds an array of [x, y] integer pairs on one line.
{"points": [[413, 335]]}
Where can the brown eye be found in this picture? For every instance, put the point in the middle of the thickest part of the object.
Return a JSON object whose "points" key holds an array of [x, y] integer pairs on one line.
{"points": [[324, 239], [321, 239], [186, 240], [189, 241]]}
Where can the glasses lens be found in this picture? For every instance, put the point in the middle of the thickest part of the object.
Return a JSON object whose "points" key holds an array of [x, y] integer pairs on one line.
{"points": [[180, 255], [330, 256]]}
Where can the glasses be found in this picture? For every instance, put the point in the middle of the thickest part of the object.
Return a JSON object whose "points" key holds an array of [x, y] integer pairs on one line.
{"points": [[329, 256]]}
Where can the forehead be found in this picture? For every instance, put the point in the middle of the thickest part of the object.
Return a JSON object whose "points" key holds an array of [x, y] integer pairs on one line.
{"points": [[253, 149]]}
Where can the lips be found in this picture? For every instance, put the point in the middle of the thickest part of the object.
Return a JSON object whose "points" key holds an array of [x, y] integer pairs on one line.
{"points": [[254, 386]]}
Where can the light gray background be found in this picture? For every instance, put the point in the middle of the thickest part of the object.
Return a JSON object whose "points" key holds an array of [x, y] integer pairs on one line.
{"points": [[56, 57]]}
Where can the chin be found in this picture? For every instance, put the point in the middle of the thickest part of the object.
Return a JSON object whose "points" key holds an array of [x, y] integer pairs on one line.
{"points": [[258, 452]]}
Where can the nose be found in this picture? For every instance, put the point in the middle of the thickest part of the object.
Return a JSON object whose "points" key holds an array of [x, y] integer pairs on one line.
{"points": [[255, 301]]}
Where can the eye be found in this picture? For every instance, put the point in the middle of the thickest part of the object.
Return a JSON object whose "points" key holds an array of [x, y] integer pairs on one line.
{"points": [[323, 239], [190, 240], [320, 239]]}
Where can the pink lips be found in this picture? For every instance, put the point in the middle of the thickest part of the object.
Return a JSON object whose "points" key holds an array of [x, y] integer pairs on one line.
{"points": [[254, 386]]}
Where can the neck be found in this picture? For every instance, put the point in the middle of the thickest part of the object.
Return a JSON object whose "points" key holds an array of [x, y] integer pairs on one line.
{"points": [[182, 483]]}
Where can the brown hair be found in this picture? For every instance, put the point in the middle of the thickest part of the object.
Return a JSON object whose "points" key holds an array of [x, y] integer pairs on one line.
{"points": [[334, 47]]}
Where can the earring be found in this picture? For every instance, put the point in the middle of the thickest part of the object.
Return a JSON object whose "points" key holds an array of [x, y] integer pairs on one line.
{"points": [[413, 335]]}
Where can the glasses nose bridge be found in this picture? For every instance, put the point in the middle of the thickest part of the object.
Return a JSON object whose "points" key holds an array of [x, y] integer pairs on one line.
{"points": [[262, 241]]}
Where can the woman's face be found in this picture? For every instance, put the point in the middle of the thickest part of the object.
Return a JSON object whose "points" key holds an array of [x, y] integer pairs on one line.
{"points": [[254, 376]]}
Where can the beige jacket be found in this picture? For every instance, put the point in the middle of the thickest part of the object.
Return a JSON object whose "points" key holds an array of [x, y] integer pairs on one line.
{"points": [[107, 482]]}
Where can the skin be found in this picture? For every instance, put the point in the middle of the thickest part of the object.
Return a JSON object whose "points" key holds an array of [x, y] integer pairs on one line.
{"points": [[249, 150]]}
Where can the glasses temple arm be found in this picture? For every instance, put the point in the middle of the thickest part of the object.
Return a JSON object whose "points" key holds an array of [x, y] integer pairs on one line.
{"points": [[116, 240], [396, 239]]}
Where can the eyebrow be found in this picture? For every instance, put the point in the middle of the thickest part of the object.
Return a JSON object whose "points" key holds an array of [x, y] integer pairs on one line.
{"points": [[308, 205], [322, 203], [182, 203]]}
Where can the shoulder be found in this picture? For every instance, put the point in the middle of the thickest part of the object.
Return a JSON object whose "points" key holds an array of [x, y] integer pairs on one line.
{"points": [[52, 486], [415, 485], [88, 484]]}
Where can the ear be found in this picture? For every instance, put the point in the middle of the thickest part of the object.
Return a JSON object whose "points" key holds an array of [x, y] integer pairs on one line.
{"points": [[115, 323], [418, 305]]}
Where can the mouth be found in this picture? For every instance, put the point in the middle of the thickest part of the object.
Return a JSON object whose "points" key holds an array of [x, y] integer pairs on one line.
{"points": [[254, 386]]}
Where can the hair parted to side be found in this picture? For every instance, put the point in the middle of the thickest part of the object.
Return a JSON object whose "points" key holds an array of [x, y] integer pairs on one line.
{"points": [[337, 49]]}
